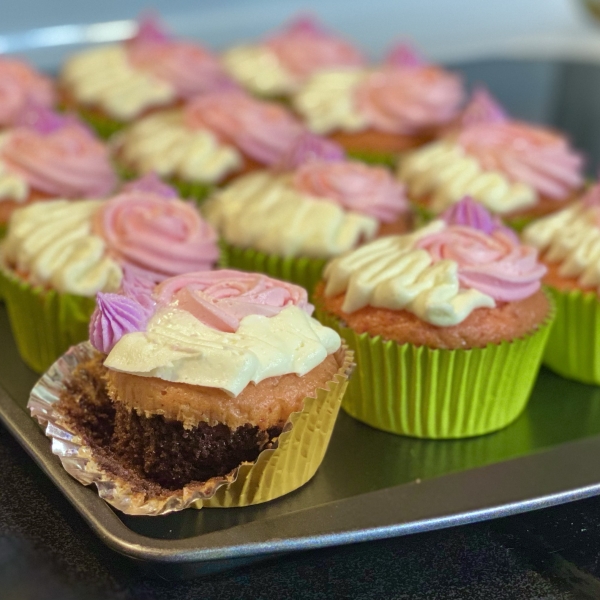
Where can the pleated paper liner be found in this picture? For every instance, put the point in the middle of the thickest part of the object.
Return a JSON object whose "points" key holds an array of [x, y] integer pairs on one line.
{"points": [[44, 323], [440, 394], [305, 272], [573, 348], [278, 471]]}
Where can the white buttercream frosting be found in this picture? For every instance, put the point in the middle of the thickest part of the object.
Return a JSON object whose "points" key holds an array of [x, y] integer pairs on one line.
{"points": [[264, 212], [392, 273], [446, 173], [178, 347], [104, 78], [327, 101], [570, 237], [162, 142], [259, 70], [52, 243]]}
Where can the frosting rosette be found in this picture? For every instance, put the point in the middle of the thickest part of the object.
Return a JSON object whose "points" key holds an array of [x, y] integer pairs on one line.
{"points": [[495, 264], [407, 99], [470, 213], [264, 131], [221, 299], [151, 232], [304, 47], [355, 186], [21, 86], [62, 159], [310, 147]]}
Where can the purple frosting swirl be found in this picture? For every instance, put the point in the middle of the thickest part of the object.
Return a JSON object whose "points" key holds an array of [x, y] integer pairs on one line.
{"points": [[152, 184], [150, 29], [483, 108], [44, 120], [114, 316], [309, 147], [403, 55]]}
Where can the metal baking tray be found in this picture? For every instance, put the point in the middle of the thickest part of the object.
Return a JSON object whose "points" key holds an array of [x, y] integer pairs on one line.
{"points": [[372, 484]]}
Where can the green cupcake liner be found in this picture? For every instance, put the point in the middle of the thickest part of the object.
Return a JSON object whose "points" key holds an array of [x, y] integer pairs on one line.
{"points": [[371, 157], [44, 323], [305, 272], [573, 348], [440, 394]]}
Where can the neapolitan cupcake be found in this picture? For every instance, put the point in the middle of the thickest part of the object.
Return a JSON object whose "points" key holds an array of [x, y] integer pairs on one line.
{"points": [[212, 388], [22, 87], [569, 243], [448, 324], [517, 170], [111, 86], [47, 155], [377, 113], [212, 138], [58, 254], [278, 66], [287, 222]]}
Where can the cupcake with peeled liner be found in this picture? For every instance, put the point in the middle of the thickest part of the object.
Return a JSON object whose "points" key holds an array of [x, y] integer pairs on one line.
{"points": [[287, 222], [110, 86], [448, 324], [46, 155], [209, 140], [377, 113], [279, 65], [21, 86], [517, 170], [569, 246], [213, 388], [59, 254]]}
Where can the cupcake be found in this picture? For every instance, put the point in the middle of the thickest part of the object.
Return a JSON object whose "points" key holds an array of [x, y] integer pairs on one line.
{"points": [[448, 324], [569, 244], [210, 139], [58, 254], [279, 65], [515, 169], [212, 388], [21, 87], [46, 155], [377, 113], [288, 221], [113, 85]]}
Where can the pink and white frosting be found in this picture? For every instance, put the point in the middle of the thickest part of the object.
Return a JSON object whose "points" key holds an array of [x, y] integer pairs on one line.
{"points": [[57, 156], [263, 131], [20, 87], [355, 186]]}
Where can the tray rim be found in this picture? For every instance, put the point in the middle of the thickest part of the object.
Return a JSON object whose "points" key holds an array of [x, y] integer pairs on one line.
{"points": [[500, 489]]}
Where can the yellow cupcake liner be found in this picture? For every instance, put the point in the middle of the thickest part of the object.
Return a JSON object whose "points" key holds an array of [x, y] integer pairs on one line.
{"points": [[44, 323], [573, 348], [303, 271], [440, 394], [277, 471]]}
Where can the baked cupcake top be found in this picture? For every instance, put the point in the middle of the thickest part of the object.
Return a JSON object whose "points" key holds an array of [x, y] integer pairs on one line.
{"points": [[506, 164], [21, 87], [152, 69], [283, 61], [440, 273], [221, 329], [210, 137], [316, 204], [84, 247], [570, 239], [403, 96], [52, 155]]}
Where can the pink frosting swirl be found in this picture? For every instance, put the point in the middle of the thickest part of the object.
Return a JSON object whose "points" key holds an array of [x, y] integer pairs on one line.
{"points": [[355, 186], [151, 232], [496, 265], [408, 99], [189, 68], [152, 184], [66, 162], [483, 108], [525, 153], [221, 299], [264, 131], [309, 147], [21, 86], [305, 48], [403, 55]]}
